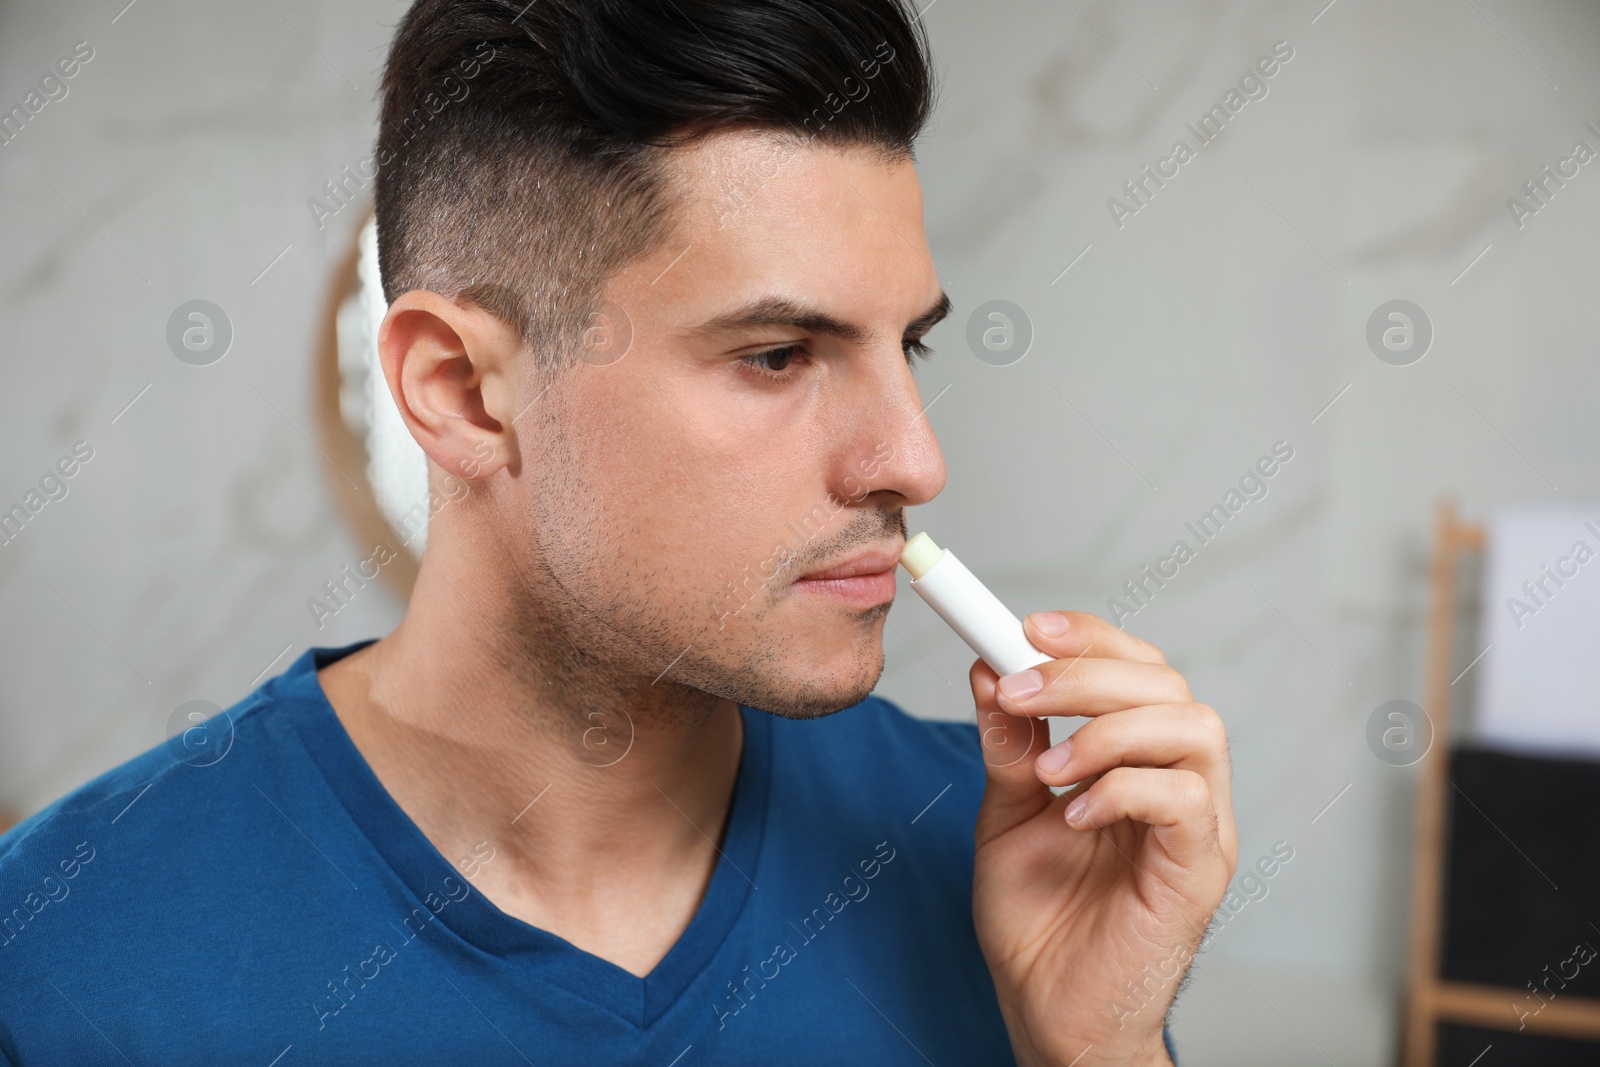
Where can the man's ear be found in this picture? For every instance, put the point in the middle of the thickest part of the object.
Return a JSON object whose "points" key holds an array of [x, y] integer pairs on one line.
{"points": [[450, 368]]}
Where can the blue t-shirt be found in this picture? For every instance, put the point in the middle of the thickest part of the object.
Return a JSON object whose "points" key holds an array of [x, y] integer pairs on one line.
{"points": [[256, 896]]}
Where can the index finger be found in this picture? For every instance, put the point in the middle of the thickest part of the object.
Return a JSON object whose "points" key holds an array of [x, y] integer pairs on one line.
{"points": [[1075, 633]]}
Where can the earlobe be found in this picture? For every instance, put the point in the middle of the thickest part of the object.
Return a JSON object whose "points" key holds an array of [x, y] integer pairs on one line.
{"points": [[447, 367]]}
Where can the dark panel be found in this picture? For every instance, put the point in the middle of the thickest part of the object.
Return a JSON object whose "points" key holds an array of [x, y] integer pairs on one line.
{"points": [[1461, 1046], [1522, 875]]}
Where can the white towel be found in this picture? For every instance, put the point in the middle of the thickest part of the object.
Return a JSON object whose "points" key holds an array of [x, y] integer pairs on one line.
{"points": [[1539, 689]]}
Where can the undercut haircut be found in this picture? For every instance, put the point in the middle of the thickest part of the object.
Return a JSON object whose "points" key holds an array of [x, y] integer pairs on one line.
{"points": [[523, 148]]}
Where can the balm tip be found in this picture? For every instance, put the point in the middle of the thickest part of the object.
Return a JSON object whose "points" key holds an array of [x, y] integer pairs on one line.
{"points": [[920, 554]]}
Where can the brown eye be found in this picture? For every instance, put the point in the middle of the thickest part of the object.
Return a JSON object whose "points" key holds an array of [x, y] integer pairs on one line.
{"points": [[777, 359], [773, 363]]}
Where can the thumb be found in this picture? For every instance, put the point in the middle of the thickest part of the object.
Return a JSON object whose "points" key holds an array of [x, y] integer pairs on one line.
{"points": [[1012, 792]]}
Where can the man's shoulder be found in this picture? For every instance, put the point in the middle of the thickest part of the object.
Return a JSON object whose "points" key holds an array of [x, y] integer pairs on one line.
{"points": [[147, 796], [212, 764], [192, 819]]}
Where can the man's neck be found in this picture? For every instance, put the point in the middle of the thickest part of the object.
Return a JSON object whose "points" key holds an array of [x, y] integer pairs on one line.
{"points": [[601, 805]]}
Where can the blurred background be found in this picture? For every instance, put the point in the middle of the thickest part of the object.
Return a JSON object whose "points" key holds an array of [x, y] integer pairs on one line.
{"points": [[1371, 272]]}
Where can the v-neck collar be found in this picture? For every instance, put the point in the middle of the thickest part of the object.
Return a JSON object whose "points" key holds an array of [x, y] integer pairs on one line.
{"points": [[477, 921]]}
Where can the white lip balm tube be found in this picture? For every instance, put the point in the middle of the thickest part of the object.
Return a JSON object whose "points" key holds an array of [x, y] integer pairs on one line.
{"points": [[966, 604]]}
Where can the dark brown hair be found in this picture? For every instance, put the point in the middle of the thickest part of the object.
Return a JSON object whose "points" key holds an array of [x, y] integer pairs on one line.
{"points": [[522, 149]]}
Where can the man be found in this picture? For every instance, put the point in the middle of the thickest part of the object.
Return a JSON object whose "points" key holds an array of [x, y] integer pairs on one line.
{"points": [[616, 790]]}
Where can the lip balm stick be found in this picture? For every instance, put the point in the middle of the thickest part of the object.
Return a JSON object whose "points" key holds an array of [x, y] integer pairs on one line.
{"points": [[966, 604]]}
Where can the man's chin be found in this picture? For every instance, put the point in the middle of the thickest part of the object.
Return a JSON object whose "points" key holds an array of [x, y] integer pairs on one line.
{"points": [[813, 703], [796, 664], [808, 683]]}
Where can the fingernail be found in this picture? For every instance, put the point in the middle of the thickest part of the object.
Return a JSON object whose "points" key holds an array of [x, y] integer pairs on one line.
{"points": [[1076, 809], [1051, 623], [1051, 760], [1022, 685]]}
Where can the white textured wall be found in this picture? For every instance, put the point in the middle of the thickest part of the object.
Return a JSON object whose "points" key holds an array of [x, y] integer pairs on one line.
{"points": [[177, 167], [1221, 318]]}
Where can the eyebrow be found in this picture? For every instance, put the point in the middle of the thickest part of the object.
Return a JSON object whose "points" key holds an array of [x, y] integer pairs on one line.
{"points": [[780, 311]]}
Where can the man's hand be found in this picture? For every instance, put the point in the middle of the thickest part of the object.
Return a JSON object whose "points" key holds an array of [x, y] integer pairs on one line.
{"points": [[1089, 905]]}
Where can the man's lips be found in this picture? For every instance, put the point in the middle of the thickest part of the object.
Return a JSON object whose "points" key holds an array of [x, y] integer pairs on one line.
{"points": [[865, 579], [873, 562]]}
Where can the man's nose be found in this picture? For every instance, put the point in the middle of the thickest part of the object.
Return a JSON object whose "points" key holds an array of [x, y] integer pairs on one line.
{"points": [[903, 454]]}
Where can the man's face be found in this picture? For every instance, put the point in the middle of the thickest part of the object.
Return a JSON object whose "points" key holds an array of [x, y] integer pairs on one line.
{"points": [[678, 492]]}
